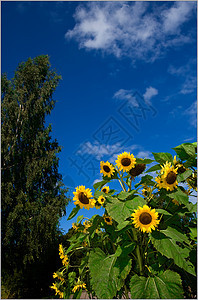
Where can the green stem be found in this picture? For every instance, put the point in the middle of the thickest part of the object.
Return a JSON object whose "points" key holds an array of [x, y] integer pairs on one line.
{"points": [[123, 186], [126, 292], [139, 257]]}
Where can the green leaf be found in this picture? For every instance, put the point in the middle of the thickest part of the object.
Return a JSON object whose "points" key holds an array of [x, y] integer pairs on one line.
{"points": [[121, 210], [99, 185], [180, 196], [162, 157], [144, 161], [184, 176], [108, 272], [184, 151], [124, 195], [154, 168], [79, 218], [168, 247], [164, 286], [163, 211], [147, 180], [175, 235], [193, 233], [74, 212]]}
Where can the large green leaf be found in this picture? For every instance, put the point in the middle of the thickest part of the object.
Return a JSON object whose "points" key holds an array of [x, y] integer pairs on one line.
{"points": [[175, 235], [184, 176], [185, 150], [121, 210], [74, 212], [144, 161], [162, 157], [180, 196], [164, 286], [108, 272], [154, 168], [99, 184], [168, 247], [124, 195]]}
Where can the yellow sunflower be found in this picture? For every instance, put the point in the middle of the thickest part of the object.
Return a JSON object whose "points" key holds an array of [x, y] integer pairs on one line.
{"points": [[106, 168], [169, 177], [108, 220], [105, 189], [79, 286], [146, 191], [74, 226], [145, 219], [101, 200], [160, 182], [82, 197], [86, 224], [125, 161]]}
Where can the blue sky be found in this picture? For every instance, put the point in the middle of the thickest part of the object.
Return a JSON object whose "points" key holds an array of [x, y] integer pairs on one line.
{"points": [[128, 77]]}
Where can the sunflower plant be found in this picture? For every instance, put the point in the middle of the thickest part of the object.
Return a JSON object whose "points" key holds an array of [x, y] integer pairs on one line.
{"points": [[144, 245]]}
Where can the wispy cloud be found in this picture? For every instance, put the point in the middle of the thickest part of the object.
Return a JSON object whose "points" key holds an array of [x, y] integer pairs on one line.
{"points": [[187, 73], [98, 150], [150, 93], [191, 112], [133, 30], [128, 95]]}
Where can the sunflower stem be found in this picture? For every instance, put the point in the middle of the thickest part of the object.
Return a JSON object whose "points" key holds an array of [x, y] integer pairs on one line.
{"points": [[122, 181], [139, 257]]}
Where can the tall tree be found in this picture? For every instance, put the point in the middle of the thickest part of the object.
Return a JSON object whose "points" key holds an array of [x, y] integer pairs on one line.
{"points": [[33, 196]]}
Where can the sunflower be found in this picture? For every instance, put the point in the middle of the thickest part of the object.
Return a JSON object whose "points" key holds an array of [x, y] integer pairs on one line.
{"points": [[108, 220], [146, 191], [101, 200], [105, 189], [145, 219], [106, 168], [125, 161], [160, 182], [86, 224], [137, 170], [83, 197], [169, 177], [79, 286], [74, 226]]}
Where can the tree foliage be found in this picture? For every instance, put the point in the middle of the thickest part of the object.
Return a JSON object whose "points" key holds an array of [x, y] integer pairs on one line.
{"points": [[33, 196]]}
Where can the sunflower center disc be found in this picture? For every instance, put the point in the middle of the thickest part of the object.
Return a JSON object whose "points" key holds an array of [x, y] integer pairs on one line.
{"points": [[126, 162], [83, 199], [104, 190], [145, 218], [171, 177], [106, 169], [107, 219]]}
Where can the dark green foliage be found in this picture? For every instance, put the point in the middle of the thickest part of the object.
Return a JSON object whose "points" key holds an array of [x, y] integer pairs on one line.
{"points": [[33, 197]]}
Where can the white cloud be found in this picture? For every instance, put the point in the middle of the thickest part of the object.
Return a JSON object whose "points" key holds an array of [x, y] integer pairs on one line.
{"points": [[126, 95], [187, 73], [150, 93], [98, 150], [175, 16], [132, 30], [191, 111], [189, 85], [145, 154]]}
